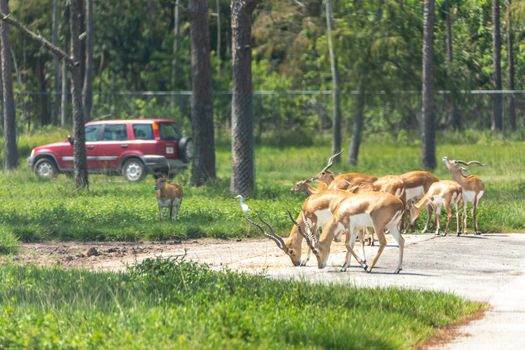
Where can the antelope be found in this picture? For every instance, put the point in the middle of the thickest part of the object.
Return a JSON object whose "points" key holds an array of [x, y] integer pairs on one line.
{"points": [[168, 196], [372, 209], [473, 188], [316, 208], [341, 181], [445, 192], [304, 186], [417, 184]]}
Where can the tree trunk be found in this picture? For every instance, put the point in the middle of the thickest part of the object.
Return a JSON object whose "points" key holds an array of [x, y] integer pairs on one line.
{"points": [[56, 64], [81, 174], [358, 124], [336, 139], [203, 163], [218, 5], [428, 151], [43, 97], [176, 31], [510, 65], [10, 150], [455, 116], [497, 109], [357, 131], [64, 96], [243, 163], [87, 88]]}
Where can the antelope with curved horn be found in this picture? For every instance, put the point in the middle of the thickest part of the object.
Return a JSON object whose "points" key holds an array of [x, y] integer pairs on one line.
{"points": [[372, 209], [317, 209], [305, 186], [473, 187], [445, 192], [417, 184], [341, 181]]}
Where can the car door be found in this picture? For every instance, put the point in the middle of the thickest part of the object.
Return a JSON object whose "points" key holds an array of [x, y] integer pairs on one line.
{"points": [[93, 135], [114, 142]]}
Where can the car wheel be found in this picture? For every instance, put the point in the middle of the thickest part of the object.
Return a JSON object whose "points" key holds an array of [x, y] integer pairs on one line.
{"points": [[133, 170], [186, 149], [45, 168]]}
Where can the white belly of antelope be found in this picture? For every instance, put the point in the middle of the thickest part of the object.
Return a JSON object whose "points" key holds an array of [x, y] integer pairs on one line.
{"points": [[468, 196], [414, 192], [322, 216], [361, 220]]}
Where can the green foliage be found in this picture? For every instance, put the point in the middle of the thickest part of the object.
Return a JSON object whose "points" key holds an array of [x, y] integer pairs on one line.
{"points": [[8, 242], [174, 304], [33, 210]]}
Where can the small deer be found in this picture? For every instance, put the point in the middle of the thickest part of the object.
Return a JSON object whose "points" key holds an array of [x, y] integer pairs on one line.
{"points": [[168, 196]]}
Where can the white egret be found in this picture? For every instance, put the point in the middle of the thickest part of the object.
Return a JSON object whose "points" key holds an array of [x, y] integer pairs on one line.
{"points": [[244, 206]]}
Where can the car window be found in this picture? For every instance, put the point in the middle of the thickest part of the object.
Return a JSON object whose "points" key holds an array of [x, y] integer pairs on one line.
{"points": [[93, 133], [143, 131], [115, 132], [169, 131]]}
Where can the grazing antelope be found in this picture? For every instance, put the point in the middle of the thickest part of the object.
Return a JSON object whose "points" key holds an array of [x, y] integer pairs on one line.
{"points": [[445, 192], [417, 184], [473, 188], [341, 181], [305, 186], [168, 196], [372, 209], [317, 209]]}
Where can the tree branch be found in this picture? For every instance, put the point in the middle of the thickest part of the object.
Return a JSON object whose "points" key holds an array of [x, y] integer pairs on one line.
{"points": [[38, 38]]}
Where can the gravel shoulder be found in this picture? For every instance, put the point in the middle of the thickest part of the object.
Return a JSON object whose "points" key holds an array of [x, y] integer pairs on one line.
{"points": [[488, 268]]}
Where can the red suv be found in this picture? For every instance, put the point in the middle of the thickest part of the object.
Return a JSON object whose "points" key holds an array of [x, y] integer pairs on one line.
{"points": [[130, 147]]}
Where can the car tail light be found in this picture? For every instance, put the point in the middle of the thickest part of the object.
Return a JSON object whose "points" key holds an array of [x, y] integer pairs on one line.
{"points": [[156, 132]]}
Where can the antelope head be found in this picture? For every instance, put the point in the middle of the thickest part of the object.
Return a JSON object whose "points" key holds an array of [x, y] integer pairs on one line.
{"points": [[311, 239], [301, 186], [291, 247], [459, 165], [326, 175]]}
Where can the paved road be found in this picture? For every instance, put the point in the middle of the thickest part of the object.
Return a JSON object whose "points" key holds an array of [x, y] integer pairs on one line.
{"points": [[486, 268]]}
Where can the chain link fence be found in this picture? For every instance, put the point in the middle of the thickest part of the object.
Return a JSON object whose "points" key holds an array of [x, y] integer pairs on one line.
{"points": [[299, 115]]}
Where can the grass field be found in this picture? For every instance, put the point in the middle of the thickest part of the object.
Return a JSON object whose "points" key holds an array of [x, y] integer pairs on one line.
{"points": [[32, 209], [163, 304]]}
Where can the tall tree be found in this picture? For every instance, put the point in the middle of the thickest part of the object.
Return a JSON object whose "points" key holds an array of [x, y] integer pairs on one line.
{"points": [[87, 88], [56, 63], [336, 94], [203, 163], [510, 65], [428, 150], [75, 65], [359, 115], [176, 33], [497, 106], [243, 162], [10, 150], [79, 148], [456, 118]]}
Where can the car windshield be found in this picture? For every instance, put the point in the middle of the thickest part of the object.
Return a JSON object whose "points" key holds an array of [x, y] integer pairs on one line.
{"points": [[169, 131]]}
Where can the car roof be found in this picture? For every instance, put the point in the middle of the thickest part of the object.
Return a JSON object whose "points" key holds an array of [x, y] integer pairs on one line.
{"points": [[121, 121]]}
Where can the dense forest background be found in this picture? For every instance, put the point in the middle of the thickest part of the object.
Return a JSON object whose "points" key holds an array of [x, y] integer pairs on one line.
{"points": [[142, 58]]}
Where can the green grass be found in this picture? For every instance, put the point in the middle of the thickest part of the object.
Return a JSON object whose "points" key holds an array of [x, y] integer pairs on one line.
{"points": [[32, 209], [163, 304]]}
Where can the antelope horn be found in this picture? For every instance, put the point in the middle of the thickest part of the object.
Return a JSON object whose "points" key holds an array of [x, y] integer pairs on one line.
{"points": [[331, 161], [457, 161], [305, 236], [475, 162], [309, 227], [278, 240]]}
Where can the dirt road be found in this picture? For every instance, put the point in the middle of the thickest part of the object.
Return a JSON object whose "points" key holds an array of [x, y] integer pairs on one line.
{"points": [[487, 268]]}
